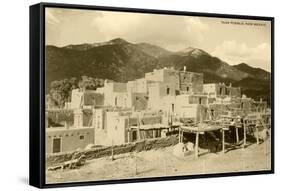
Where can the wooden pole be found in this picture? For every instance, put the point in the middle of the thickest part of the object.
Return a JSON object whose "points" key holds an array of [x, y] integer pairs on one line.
{"points": [[139, 131], [128, 132], [244, 132], [136, 165], [237, 134], [196, 145], [112, 153], [154, 133], [179, 135], [257, 134], [222, 141]]}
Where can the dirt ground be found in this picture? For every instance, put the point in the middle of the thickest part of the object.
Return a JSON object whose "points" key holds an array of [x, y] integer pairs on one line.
{"points": [[162, 162]]}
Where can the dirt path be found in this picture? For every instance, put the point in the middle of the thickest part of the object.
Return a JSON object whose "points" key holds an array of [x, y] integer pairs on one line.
{"points": [[162, 162]]}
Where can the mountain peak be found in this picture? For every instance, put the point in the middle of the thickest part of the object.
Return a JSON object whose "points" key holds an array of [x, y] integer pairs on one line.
{"points": [[188, 49], [243, 65], [118, 41], [87, 46], [195, 52]]}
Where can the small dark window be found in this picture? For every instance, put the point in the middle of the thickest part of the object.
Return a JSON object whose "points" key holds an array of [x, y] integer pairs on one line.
{"points": [[200, 100], [220, 90], [168, 91], [134, 135], [116, 101], [81, 137], [187, 88]]}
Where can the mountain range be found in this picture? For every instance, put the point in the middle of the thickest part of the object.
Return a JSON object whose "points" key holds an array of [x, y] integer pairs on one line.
{"points": [[122, 61]]}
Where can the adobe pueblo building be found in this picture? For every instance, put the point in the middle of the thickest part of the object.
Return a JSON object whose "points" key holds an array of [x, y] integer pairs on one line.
{"points": [[154, 106]]}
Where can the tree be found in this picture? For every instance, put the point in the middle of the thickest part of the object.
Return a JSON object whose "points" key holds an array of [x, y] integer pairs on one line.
{"points": [[89, 83], [60, 91]]}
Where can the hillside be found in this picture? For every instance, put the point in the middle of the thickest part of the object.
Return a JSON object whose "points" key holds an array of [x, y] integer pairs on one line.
{"points": [[255, 72], [121, 61], [117, 61]]}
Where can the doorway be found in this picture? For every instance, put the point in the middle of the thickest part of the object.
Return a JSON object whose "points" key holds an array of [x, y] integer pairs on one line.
{"points": [[56, 145]]}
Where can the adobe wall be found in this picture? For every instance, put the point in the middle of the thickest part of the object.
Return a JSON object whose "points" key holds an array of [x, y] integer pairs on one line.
{"points": [[157, 92], [191, 82], [116, 129], [164, 75], [99, 123], [140, 101], [234, 91], [99, 152], [138, 86], [221, 90], [58, 118], [76, 99], [70, 138], [92, 98]]}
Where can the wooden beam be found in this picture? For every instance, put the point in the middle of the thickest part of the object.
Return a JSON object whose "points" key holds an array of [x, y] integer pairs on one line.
{"points": [[237, 134], [139, 131], [244, 133], [257, 134], [179, 135], [223, 141], [112, 152], [196, 145]]}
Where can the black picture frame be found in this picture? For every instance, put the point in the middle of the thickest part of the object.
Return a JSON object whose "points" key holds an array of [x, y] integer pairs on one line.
{"points": [[37, 94]]}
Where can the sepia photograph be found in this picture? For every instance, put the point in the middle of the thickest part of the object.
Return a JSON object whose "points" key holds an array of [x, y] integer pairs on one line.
{"points": [[132, 95]]}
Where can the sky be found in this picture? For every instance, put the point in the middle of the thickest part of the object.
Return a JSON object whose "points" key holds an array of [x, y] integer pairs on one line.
{"points": [[232, 40]]}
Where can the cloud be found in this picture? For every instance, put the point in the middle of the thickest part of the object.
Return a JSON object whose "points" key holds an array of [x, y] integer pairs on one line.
{"points": [[236, 53], [74, 26], [171, 32], [51, 17], [71, 26]]}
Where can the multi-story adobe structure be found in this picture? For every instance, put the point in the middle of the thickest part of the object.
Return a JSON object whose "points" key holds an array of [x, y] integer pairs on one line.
{"points": [[221, 90], [148, 107]]}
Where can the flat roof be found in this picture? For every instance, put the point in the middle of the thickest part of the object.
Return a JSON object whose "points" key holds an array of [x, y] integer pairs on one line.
{"points": [[53, 129]]}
